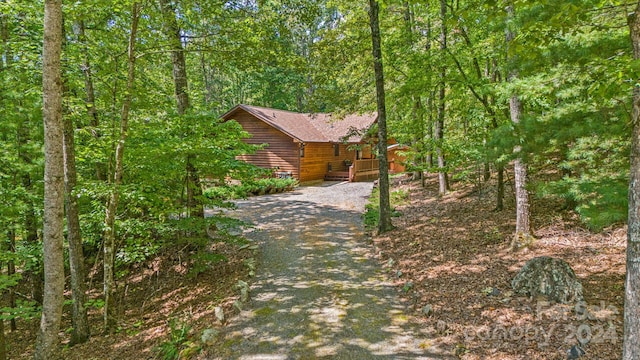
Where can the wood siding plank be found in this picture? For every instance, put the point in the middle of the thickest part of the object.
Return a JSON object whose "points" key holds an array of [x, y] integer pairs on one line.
{"points": [[282, 151]]}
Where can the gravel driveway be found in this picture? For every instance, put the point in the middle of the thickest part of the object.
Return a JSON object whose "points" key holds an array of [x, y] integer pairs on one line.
{"points": [[317, 292]]}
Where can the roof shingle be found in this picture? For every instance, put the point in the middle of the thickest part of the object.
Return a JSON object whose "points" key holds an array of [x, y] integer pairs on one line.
{"points": [[316, 127]]}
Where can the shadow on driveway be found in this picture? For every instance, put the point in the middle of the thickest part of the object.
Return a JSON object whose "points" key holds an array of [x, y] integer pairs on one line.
{"points": [[317, 293]]}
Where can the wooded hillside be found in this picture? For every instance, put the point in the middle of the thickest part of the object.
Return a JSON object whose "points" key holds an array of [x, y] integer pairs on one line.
{"points": [[544, 89]]}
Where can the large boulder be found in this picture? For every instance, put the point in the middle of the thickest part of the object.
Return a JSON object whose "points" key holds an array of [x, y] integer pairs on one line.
{"points": [[548, 277]]}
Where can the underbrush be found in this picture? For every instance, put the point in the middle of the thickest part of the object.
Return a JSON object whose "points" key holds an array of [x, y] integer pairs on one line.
{"points": [[372, 208], [250, 188]]}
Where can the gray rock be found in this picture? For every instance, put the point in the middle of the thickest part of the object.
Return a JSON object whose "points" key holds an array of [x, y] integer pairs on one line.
{"points": [[219, 313], [209, 336], [575, 352], [237, 305], [549, 277]]}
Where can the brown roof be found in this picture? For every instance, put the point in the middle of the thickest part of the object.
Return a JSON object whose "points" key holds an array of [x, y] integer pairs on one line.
{"points": [[311, 127]]}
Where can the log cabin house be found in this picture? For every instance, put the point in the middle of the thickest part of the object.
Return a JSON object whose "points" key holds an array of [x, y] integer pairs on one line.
{"points": [[308, 147]]}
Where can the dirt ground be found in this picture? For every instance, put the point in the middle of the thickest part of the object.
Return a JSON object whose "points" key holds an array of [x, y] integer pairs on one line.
{"points": [[156, 295], [452, 255]]}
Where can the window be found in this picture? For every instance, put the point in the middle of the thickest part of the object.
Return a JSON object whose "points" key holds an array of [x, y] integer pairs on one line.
{"points": [[358, 154], [301, 150], [336, 149]]}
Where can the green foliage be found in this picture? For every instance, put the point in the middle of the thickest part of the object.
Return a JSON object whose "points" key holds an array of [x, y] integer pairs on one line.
{"points": [[595, 182], [180, 339], [203, 261], [372, 208], [250, 187], [25, 310]]}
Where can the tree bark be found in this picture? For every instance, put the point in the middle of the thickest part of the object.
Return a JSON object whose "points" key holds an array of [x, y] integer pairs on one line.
{"points": [[11, 270], [4, 36], [90, 97], [500, 187], [34, 273], [3, 342], [195, 207], [384, 220], [631, 342], [439, 128], [46, 342], [112, 205], [523, 236], [178, 62], [80, 333]]}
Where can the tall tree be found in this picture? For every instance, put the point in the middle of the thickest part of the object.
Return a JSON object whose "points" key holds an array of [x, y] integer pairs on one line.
{"points": [[80, 333], [46, 342], [194, 204], [89, 90], [439, 128], [112, 205], [523, 227], [384, 221], [631, 344]]}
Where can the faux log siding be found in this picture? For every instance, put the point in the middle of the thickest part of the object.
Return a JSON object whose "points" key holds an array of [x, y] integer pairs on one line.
{"points": [[317, 156], [282, 151]]}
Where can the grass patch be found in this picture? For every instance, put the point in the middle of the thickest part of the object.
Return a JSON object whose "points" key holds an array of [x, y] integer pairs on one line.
{"points": [[372, 209]]}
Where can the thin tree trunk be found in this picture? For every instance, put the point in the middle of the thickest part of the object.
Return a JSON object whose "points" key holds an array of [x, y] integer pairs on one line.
{"points": [[112, 205], [439, 131], [500, 187], [47, 340], [3, 342], [33, 274], [4, 36], [195, 207], [11, 270], [418, 120], [430, 122], [384, 221], [631, 342], [80, 333], [90, 97], [523, 236]]}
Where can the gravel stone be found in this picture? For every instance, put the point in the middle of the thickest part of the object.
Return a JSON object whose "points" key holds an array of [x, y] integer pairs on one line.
{"points": [[317, 292]]}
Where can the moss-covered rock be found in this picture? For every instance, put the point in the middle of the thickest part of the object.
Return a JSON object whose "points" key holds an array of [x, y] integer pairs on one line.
{"points": [[549, 277]]}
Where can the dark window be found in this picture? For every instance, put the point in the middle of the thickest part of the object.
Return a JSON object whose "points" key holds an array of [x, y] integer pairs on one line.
{"points": [[301, 150], [336, 149], [358, 154]]}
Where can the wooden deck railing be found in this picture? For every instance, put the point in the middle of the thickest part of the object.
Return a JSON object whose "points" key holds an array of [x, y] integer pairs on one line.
{"points": [[365, 168]]}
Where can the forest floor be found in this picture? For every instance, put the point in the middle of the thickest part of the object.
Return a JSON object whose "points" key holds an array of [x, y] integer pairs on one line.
{"points": [[452, 255], [162, 304], [449, 254]]}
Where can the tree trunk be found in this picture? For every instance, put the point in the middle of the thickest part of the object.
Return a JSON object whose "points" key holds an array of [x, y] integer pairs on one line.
{"points": [[4, 36], [384, 221], [430, 132], [523, 236], [195, 207], [500, 187], [80, 333], [90, 97], [3, 342], [439, 131], [47, 340], [11, 270], [177, 56], [112, 205], [631, 342], [33, 274]]}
